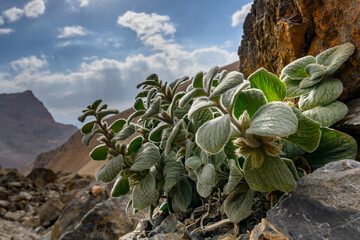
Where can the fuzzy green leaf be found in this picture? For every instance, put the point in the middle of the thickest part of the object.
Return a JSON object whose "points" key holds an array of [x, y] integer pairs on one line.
{"points": [[206, 180], [209, 77], [237, 205], [145, 193], [121, 187], [134, 145], [200, 117], [307, 135], [316, 73], [272, 175], [250, 100], [106, 112], [174, 133], [291, 150], [334, 145], [193, 162], [198, 104], [272, 87], [198, 80], [214, 134], [182, 196], [117, 125], [99, 153], [234, 179], [174, 103], [229, 97], [146, 157], [293, 89], [194, 93], [231, 80], [86, 139], [95, 104], [108, 172], [86, 114], [334, 57], [172, 171], [328, 114], [88, 127], [296, 69], [125, 133], [134, 115], [273, 119], [324, 93], [291, 166], [139, 104], [156, 133], [155, 108]]}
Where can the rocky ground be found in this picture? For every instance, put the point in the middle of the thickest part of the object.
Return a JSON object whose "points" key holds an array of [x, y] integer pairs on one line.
{"points": [[45, 205]]}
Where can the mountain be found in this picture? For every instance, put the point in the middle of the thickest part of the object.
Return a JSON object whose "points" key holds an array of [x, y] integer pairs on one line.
{"points": [[27, 129]]}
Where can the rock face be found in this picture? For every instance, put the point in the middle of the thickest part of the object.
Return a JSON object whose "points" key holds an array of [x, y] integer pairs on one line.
{"points": [[27, 129], [277, 32], [325, 204], [106, 221]]}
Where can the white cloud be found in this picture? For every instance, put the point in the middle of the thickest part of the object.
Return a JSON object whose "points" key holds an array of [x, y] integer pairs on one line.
{"points": [[4, 31], [34, 8], [28, 64], [64, 44], [1, 20], [13, 14], [84, 3], [240, 15], [65, 94], [146, 24], [72, 31]]}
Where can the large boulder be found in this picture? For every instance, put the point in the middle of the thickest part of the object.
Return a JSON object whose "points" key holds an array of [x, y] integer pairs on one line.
{"points": [[106, 221], [42, 176], [324, 205], [277, 32]]}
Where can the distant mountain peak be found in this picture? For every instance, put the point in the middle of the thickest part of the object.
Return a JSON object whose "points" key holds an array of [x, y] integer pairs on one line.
{"points": [[28, 129]]}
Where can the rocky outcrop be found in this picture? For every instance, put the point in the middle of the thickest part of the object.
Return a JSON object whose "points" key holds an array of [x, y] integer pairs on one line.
{"points": [[277, 32], [106, 221], [27, 129], [325, 204]]}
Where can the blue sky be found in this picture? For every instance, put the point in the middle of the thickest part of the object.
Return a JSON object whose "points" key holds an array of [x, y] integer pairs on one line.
{"points": [[71, 52]]}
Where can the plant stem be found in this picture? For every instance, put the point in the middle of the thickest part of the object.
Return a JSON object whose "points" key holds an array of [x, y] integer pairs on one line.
{"points": [[232, 119]]}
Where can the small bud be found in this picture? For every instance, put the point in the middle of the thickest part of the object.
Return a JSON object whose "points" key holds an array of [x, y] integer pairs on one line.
{"points": [[257, 158], [244, 121]]}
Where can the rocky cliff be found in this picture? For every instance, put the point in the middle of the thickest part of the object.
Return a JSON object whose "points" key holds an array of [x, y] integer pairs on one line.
{"points": [[27, 129], [277, 32]]}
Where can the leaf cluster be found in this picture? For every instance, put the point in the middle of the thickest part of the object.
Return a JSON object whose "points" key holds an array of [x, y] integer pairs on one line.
{"points": [[224, 132]]}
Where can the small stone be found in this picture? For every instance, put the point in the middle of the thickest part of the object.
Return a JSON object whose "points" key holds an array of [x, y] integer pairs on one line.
{"points": [[39, 229], [4, 194], [14, 184], [31, 221], [168, 225], [266, 230], [20, 196], [96, 190], [4, 204], [14, 216]]}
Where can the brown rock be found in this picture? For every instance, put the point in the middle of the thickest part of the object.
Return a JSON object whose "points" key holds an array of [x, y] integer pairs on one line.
{"points": [[277, 32], [51, 210], [96, 190], [14, 230], [42, 176], [267, 231]]}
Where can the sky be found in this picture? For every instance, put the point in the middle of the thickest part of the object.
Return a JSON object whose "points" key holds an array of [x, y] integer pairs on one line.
{"points": [[72, 52]]}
